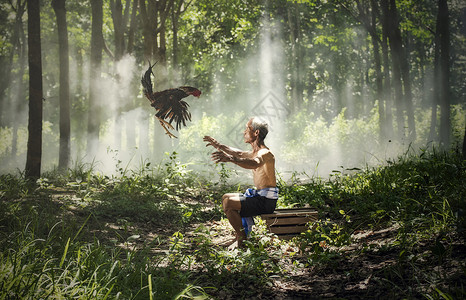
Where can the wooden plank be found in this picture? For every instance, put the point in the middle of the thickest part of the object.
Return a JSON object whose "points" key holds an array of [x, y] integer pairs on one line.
{"points": [[288, 229], [289, 221], [302, 209], [291, 213], [285, 210]]}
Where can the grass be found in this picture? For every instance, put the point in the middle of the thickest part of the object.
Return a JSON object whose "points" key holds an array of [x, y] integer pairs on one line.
{"points": [[150, 234]]}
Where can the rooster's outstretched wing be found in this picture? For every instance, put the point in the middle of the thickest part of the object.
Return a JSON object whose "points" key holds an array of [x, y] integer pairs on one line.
{"points": [[171, 107], [168, 103]]}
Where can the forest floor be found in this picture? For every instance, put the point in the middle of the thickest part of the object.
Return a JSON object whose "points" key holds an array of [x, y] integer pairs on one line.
{"points": [[372, 266], [394, 232]]}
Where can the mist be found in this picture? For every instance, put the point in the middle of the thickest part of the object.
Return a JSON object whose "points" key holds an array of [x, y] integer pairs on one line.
{"points": [[129, 139], [310, 141]]}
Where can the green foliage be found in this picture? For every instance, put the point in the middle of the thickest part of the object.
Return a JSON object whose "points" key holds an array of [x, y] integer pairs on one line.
{"points": [[319, 239], [215, 33], [295, 192], [57, 246], [13, 187], [237, 272], [55, 242], [427, 187], [33, 266]]}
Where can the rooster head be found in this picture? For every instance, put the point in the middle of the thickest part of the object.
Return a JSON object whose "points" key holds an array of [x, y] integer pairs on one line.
{"points": [[191, 91]]}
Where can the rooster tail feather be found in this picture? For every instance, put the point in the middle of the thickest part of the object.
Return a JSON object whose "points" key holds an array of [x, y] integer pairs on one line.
{"points": [[146, 80], [147, 83]]}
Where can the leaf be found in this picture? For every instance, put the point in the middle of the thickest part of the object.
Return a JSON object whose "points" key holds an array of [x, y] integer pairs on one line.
{"points": [[149, 279], [133, 237], [64, 253]]}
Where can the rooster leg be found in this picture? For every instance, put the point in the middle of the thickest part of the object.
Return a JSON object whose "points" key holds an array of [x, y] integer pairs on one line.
{"points": [[164, 125]]}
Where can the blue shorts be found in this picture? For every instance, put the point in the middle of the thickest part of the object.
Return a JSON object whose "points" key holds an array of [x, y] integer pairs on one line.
{"points": [[256, 205]]}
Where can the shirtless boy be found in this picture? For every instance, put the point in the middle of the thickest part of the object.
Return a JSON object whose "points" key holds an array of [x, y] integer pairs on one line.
{"points": [[261, 161]]}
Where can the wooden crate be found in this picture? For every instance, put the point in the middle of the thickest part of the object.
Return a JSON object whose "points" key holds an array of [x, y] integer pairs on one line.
{"points": [[286, 223]]}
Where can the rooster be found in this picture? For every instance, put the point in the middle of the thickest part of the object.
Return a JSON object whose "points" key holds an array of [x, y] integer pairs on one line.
{"points": [[168, 103]]}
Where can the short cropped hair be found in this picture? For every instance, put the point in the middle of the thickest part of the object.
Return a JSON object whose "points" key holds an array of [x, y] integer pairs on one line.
{"points": [[260, 125]]}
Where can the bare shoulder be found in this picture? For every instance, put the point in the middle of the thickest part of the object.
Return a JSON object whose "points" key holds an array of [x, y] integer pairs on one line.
{"points": [[265, 153]]}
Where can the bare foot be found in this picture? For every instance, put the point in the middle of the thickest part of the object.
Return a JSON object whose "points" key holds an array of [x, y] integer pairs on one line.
{"points": [[233, 246], [227, 242], [237, 245], [240, 240]]}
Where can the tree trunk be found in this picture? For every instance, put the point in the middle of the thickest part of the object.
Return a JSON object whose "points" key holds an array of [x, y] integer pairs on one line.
{"points": [[401, 76], [146, 30], [408, 94], [178, 5], [378, 68], [387, 84], [464, 143], [65, 127], [153, 19], [132, 27], [18, 42], [120, 21], [433, 135], [338, 84], [444, 91], [5, 73], [119, 24], [34, 144], [21, 93], [162, 51], [162, 47], [396, 50], [94, 115], [295, 57], [79, 97], [174, 16]]}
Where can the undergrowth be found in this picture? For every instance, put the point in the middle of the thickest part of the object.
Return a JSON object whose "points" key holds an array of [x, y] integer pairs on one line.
{"points": [[55, 240]]}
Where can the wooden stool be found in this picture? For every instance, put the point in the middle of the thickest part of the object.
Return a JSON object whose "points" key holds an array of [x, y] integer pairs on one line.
{"points": [[286, 223]]}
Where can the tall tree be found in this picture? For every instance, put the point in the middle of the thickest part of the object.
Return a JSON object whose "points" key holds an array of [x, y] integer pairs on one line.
{"points": [[120, 21], [297, 55], [63, 54], [387, 82], [444, 66], [175, 15], [34, 144], [405, 74], [378, 68], [369, 21], [132, 26], [19, 43], [97, 45], [464, 142], [396, 47], [433, 135], [18, 49], [154, 17]]}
